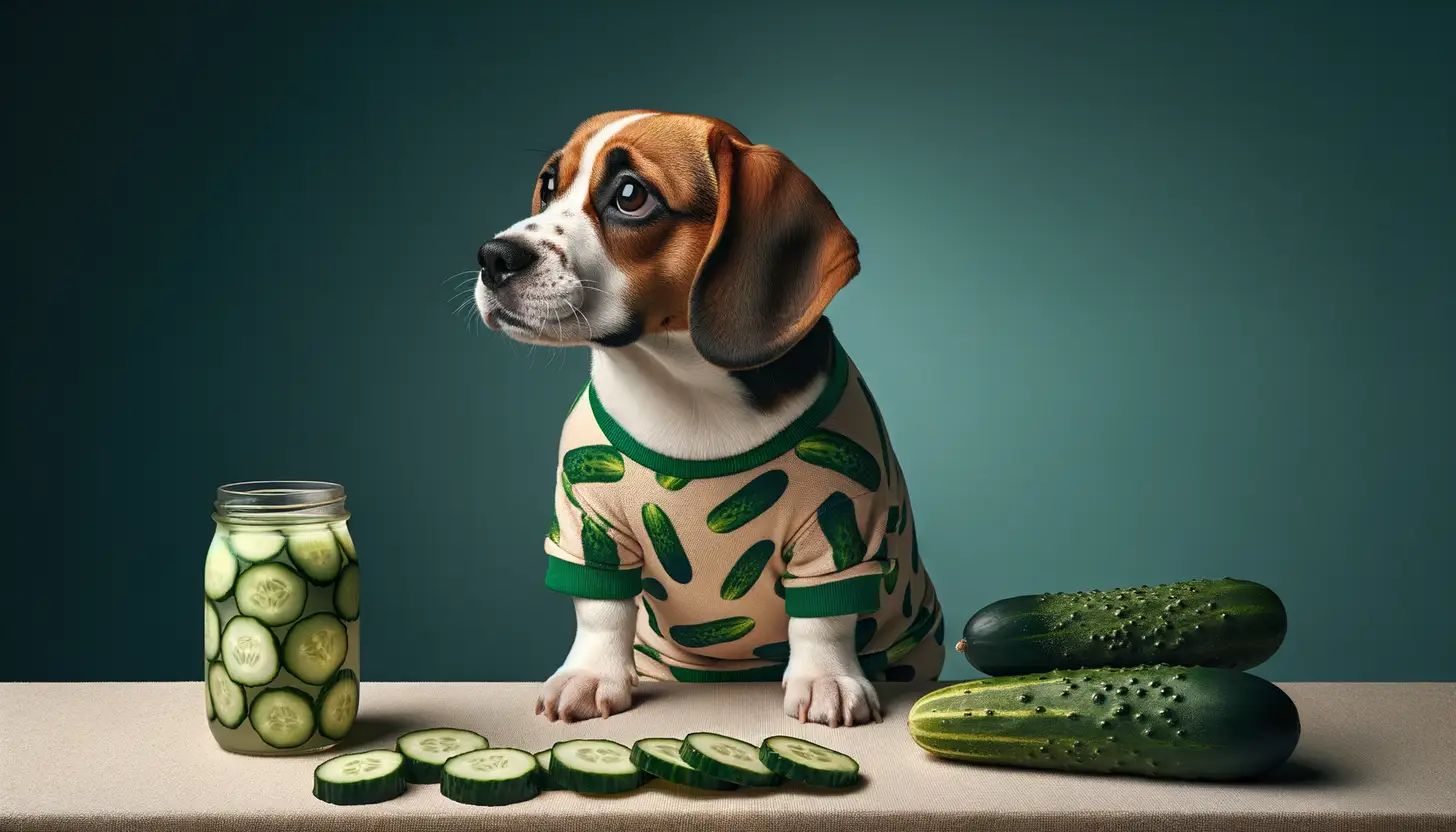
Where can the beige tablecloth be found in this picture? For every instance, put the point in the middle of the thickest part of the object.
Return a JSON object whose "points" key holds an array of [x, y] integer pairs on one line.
{"points": [[139, 756]]}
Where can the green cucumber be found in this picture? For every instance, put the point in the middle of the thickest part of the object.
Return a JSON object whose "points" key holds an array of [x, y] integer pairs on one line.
{"points": [[426, 751], [249, 651], [315, 648], [666, 544], [727, 759], [338, 705], [543, 760], [777, 651], [1195, 723], [283, 717], [220, 570], [747, 570], [570, 495], [879, 428], [598, 547], [256, 545], [749, 502], [672, 483], [207, 695], [710, 633], [651, 617], [373, 776], [808, 763], [491, 777], [840, 454], [346, 593], [841, 528], [891, 575], [594, 767], [316, 554], [661, 757], [892, 522], [593, 463], [555, 531], [346, 540], [1227, 623], [227, 698], [272, 593], [211, 631], [654, 587]]}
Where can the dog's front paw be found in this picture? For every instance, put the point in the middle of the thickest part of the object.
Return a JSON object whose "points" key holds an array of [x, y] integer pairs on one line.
{"points": [[572, 695], [831, 700]]}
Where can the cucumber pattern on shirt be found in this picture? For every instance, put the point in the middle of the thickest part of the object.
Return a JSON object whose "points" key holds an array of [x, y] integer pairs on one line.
{"points": [[710, 633], [666, 544], [749, 502], [746, 571]]}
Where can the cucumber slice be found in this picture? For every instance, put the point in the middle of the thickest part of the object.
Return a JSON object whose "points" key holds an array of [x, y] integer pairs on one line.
{"points": [[338, 705], [425, 752], [315, 648], [491, 777], [316, 554], [660, 757], [256, 545], [249, 651], [594, 767], [283, 717], [207, 695], [211, 631], [272, 593], [808, 763], [225, 697], [220, 570], [543, 759], [363, 777], [346, 594], [346, 541], [727, 759]]}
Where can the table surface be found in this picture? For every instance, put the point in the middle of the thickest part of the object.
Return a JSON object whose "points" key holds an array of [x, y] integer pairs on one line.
{"points": [[140, 756]]}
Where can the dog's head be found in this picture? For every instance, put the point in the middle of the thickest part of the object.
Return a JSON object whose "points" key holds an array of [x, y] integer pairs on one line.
{"points": [[651, 222]]}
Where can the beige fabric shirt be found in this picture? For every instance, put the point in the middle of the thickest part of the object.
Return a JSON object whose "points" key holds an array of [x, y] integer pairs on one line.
{"points": [[721, 553]]}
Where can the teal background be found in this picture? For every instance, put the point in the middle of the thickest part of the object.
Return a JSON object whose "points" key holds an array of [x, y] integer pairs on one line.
{"points": [[1150, 292]]}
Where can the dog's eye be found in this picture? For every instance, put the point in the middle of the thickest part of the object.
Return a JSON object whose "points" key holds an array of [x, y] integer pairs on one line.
{"points": [[633, 200], [548, 187]]}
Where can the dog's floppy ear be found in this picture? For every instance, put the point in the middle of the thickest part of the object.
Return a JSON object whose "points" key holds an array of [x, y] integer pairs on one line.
{"points": [[777, 256]]}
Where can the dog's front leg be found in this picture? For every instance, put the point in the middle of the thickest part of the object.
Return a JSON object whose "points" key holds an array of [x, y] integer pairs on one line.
{"points": [[598, 675], [823, 682]]}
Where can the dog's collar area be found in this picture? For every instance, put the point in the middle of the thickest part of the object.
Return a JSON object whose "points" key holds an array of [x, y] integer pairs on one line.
{"points": [[775, 447]]}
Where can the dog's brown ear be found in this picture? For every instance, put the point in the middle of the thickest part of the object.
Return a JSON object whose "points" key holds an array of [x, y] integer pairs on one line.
{"points": [[777, 256]]}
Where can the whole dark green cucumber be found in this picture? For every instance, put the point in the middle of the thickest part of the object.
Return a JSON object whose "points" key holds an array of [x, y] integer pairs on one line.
{"points": [[1187, 723], [593, 463], [1212, 623]]}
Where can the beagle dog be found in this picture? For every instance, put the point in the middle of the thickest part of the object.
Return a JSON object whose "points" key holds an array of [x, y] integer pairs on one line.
{"points": [[696, 266]]}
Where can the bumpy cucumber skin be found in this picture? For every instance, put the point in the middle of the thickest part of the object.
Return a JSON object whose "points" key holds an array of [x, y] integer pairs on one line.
{"points": [[746, 571], [709, 633], [358, 794], [666, 544], [748, 502], [585, 782], [791, 769], [597, 545], [492, 792], [840, 454], [731, 774], [593, 463], [1187, 723], [841, 528], [664, 770], [1225, 623]]}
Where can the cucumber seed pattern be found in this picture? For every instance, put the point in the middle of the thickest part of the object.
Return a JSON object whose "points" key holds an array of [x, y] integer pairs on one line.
{"points": [[362, 765]]}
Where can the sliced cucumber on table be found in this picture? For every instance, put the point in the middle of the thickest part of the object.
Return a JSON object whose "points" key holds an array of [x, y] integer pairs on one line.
{"points": [[594, 767], [543, 759], [282, 717], [272, 593], [219, 570], [346, 593], [660, 757], [256, 545], [808, 763], [315, 648], [363, 777], [338, 705], [228, 700], [211, 631], [728, 759], [316, 554], [249, 651], [425, 752], [491, 777]]}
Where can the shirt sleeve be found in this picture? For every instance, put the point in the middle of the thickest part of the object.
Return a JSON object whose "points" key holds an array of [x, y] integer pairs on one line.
{"points": [[589, 556], [837, 559]]}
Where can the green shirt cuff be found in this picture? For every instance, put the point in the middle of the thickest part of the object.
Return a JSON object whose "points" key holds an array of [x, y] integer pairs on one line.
{"points": [[582, 581], [851, 596]]}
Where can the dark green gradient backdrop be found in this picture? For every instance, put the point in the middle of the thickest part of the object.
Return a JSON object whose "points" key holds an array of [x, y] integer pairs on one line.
{"points": [[1150, 292]]}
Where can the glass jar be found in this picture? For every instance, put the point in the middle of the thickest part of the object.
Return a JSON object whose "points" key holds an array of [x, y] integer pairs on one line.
{"points": [[281, 627]]}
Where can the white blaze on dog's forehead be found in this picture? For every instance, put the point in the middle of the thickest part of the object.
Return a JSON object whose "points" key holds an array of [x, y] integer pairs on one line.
{"points": [[577, 193]]}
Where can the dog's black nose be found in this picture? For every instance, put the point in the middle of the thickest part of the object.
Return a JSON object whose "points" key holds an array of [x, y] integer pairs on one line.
{"points": [[500, 258]]}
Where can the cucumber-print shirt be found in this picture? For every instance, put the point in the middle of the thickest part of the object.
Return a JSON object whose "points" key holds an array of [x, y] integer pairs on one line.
{"points": [[721, 553]]}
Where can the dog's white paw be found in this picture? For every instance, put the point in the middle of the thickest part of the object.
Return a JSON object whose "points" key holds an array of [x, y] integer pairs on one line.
{"points": [[831, 700], [571, 696]]}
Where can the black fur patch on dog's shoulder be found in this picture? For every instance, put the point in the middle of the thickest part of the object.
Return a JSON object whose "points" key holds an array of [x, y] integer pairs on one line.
{"points": [[770, 384]]}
